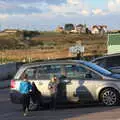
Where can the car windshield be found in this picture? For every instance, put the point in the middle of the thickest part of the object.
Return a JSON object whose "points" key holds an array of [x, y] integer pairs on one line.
{"points": [[97, 68]]}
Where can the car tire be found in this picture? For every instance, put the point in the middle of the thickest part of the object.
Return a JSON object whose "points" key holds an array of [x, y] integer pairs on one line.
{"points": [[109, 97]]}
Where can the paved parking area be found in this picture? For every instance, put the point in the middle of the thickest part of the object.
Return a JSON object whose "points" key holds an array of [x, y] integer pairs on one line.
{"points": [[9, 111]]}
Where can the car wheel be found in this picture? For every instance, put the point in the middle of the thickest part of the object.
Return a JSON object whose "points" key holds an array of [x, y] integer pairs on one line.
{"points": [[109, 97]]}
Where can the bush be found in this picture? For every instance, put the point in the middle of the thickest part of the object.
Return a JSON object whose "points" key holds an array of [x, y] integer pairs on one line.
{"points": [[30, 33], [8, 43], [36, 43]]}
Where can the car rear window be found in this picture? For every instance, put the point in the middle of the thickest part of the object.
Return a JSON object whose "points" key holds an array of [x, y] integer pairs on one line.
{"points": [[31, 73]]}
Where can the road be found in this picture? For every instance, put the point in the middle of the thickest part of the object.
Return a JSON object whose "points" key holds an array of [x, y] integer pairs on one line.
{"points": [[9, 111]]}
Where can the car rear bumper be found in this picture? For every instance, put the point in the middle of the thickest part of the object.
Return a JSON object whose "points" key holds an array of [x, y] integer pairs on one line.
{"points": [[15, 97]]}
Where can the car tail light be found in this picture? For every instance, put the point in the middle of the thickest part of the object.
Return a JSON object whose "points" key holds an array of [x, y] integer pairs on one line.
{"points": [[12, 85]]}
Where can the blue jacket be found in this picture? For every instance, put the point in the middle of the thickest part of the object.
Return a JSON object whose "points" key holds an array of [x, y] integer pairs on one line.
{"points": [[25, 87]]}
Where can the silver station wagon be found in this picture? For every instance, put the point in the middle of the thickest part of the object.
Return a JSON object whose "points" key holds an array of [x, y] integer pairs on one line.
{"points": [[79, 81]]}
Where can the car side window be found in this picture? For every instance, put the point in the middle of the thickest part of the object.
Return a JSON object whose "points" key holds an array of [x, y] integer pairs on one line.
{"points": [[80, 72], [75, 71], [45, 71], [92, 75], [31, 73]]}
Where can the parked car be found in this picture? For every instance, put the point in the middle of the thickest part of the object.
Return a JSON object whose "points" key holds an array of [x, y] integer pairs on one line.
{"points": [[83, 81], [110, 62]]}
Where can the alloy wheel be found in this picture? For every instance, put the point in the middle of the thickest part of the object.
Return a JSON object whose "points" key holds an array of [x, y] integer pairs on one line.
{"points": [[109, 97]]}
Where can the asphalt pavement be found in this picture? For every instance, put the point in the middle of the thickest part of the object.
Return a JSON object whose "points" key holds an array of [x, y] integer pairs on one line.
{"points": [[9, 111]]}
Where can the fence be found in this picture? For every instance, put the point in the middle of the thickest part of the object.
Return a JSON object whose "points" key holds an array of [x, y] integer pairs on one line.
{"points": [[7, 71], [113, 43]]}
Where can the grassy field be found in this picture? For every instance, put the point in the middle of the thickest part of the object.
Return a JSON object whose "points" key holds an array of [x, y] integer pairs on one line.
{"points": [[114, 39], [48, 45]]}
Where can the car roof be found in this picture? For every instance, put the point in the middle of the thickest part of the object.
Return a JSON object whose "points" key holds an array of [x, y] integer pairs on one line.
{"points": [[86, 63], [49, 62], [35, 64], [105, 56]]}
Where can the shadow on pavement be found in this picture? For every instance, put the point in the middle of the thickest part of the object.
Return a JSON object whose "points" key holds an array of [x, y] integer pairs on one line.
{"points": [[67, 112]]}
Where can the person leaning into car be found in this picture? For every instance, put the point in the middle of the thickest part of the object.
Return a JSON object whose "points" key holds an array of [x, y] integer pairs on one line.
{"points": [[24, 88], [52, 86]]}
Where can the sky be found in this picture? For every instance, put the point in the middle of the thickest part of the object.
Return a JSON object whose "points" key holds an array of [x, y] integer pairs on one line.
{"points": [[48, 14]]}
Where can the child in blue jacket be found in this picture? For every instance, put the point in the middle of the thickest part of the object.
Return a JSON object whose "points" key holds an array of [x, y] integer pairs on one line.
{"points": [[24, 88]]}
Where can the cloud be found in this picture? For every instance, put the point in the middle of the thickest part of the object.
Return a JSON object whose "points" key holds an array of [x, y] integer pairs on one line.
{"points": [[65, 7], [4, 16], [71, 7], [85, 12], [58, 7], [47, 13], [42, 21], [15, 8], [76, 7], [114, 5], [40, 6], [99, 12], [33, 1], [74, 2], [20, 1]]}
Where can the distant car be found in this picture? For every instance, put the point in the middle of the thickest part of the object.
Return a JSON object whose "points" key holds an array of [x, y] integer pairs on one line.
{"points": [[83, 81], [110, 62]]}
